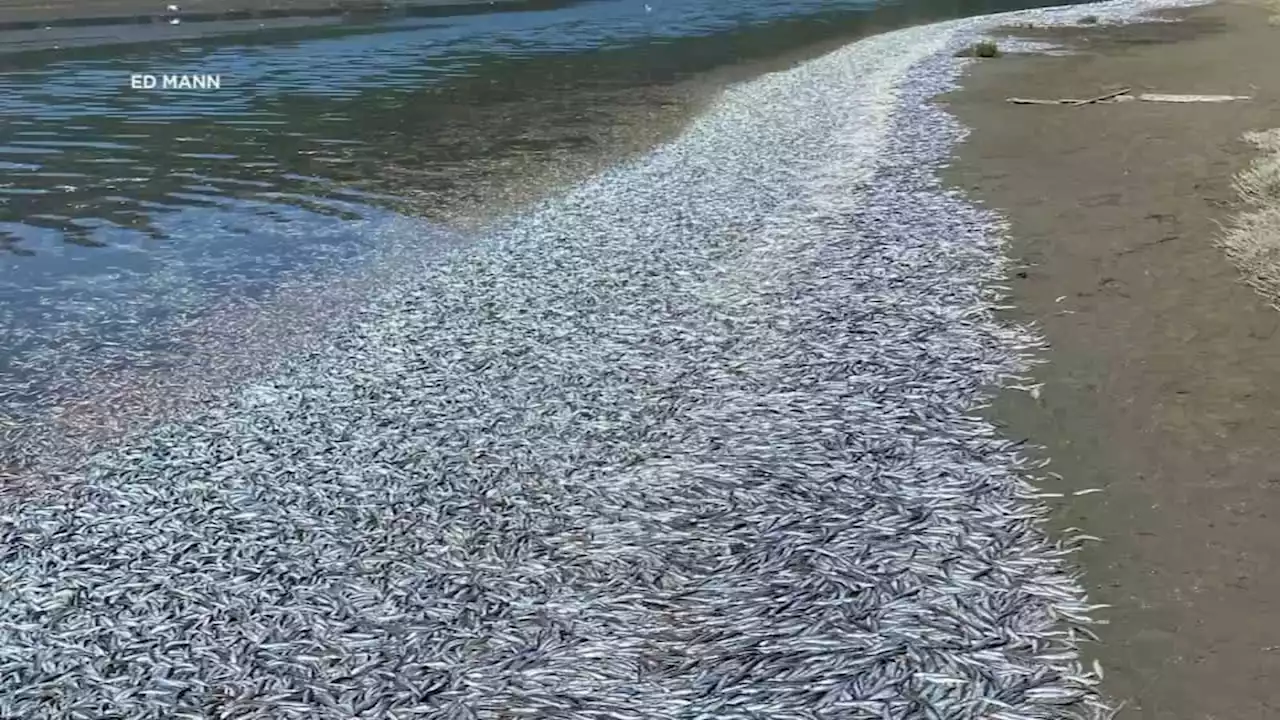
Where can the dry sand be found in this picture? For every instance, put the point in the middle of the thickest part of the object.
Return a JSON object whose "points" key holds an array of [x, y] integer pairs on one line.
{"points": [[1164, 379]]}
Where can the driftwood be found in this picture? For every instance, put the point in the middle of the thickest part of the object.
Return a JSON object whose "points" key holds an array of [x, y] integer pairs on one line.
{"points": [[1160, 97], [1117, 96], [1036, 101], [1104, 96], [1124, 96]]}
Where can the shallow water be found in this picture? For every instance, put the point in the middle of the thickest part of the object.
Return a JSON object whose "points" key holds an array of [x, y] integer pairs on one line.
{"points": [[123, 211]]}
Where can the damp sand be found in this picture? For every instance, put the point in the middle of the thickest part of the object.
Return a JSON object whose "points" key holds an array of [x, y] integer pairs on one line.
{"points": [[1164, 381]]}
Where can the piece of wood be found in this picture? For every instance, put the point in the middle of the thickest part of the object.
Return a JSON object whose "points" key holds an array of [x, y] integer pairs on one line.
{"points": [[1100, 98], [1123, 96], [1035, 101], [1066, 101], [1163, 97]]}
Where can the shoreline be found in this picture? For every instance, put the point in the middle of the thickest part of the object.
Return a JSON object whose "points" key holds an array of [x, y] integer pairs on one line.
{"points": [[1160, 382], [733, 381], [222, 350], [696, 436]]}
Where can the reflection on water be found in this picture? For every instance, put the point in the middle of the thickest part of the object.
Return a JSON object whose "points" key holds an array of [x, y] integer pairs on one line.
{"points": [[413, 104], [122, 210]]}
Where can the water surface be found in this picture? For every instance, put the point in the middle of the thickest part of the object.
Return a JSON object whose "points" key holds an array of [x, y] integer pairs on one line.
{"points": [[124, 212]]}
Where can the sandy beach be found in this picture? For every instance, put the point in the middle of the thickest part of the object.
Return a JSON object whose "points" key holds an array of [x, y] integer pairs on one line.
{"points": [[1163, 386]]}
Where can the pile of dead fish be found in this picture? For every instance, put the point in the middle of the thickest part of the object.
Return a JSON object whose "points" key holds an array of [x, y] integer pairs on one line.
{"points": [[695, 440]]}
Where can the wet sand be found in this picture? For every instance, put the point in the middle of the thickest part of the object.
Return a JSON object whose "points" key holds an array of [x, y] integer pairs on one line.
{"points": [[1163, 385]]}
